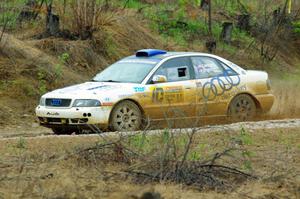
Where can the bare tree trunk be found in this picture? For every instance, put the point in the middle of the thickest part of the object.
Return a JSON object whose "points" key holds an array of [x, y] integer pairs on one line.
{"points": [[211, 44], [3, 30], [52, 22], [204, 5], [226, 32], [209, 18]]}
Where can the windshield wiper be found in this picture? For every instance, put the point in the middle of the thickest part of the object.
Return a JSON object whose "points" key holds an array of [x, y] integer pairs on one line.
{"points": [[110, 81], [93, 80]]}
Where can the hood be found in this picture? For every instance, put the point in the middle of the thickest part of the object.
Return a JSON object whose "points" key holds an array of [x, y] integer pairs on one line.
{"points": [[91, 90]]}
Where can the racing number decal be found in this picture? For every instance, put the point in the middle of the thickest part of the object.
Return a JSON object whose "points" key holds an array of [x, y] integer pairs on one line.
{"points": [[174, 94], [168, 94], [158, 95]]}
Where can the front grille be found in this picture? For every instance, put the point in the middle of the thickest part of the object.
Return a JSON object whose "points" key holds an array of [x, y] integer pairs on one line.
{"points": [[55, 120], [58, 102], [49, 120]]}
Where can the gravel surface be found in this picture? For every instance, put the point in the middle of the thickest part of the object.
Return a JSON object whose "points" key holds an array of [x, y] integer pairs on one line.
{"points": [[36, 132]]}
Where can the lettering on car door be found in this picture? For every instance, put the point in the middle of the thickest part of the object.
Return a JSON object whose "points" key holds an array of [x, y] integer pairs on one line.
{"points": [[178, 93]]}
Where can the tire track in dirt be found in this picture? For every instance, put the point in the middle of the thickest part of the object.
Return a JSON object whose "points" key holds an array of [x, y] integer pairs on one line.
{"points": [[250, 126]]}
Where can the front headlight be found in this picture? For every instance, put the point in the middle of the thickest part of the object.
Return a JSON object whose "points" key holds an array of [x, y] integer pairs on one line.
{"points": [[86, 103], [42, 101]]}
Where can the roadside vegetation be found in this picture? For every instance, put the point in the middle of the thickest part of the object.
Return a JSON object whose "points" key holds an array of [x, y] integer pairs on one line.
{"points": [[168, 164]]}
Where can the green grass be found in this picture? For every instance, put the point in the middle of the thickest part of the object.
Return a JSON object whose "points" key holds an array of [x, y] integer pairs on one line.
{"points": [[296, 27], [135, 4], [10, 12], [172, 23]]}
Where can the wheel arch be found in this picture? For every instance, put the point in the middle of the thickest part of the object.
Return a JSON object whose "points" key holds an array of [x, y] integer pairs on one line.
{"points": [[257, 103], [123, 100]]}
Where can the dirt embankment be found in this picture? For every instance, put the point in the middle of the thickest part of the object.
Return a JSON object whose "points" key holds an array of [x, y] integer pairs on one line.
{"points": [[31, 67]]}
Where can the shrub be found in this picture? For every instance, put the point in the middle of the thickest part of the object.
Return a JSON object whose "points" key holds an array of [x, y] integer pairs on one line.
{"points": [[87, 16]]}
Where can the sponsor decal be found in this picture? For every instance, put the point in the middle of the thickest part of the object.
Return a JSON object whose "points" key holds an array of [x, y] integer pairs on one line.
{"points": [[198, 84], [172, 94], [219, 85], [174, 89], [107, 104], [233, 92], [124, 95], [139, 89], [53, 113], [158, 95], [107, 99], [56, 102], [242, 88], [143, 95]]}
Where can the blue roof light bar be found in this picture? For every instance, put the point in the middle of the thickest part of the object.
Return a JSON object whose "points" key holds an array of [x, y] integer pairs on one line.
{"points": [[149, 52]]}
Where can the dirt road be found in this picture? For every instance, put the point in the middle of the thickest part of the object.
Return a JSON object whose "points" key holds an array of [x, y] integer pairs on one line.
{"points": [[41, 133]]}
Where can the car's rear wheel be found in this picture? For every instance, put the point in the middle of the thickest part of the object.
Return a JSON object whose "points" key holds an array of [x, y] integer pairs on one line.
{"points": [[126, 116], [242, 108]]}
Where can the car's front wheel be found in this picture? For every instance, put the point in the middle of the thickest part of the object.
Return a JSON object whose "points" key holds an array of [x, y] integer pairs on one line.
{"points": [[242, 108], [126, 116]]}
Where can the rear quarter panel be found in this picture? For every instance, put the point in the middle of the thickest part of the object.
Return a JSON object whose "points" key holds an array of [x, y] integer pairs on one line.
{"points": [[257, 86]]}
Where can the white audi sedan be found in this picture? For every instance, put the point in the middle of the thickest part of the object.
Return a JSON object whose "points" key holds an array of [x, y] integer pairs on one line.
{"points": [[156, 85]]}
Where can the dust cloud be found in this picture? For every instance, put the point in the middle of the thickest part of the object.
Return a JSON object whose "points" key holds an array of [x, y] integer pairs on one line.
{"points": [[287, 99]]}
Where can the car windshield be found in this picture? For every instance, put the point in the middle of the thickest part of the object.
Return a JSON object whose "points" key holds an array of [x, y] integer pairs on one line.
{"points": [[126, 72]]}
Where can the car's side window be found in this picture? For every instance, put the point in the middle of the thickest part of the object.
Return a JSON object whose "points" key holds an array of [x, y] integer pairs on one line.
{"points": [[177, 69], [206, 67], [228, 71]]}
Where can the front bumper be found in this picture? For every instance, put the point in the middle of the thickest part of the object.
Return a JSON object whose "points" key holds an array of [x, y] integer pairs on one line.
{"points": [[49, 116]]}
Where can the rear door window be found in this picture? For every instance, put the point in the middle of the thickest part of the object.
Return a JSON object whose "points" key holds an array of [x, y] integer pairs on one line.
{"points": [[228, 71], [206, 67]]}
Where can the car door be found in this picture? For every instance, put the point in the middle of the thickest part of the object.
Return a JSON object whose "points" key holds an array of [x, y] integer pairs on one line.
{"points": [[216, 83], [176, 97]]}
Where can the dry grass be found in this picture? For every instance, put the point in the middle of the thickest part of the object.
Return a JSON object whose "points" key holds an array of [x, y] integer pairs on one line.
{"points": [[45, 167]]}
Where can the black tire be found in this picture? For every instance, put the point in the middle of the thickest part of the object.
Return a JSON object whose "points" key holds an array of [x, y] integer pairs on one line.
{"points": [[64, 131], [242, 108], [126, 116]]}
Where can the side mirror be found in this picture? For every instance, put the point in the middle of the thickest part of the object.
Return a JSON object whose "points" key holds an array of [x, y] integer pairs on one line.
{"points": [[159, 79]]}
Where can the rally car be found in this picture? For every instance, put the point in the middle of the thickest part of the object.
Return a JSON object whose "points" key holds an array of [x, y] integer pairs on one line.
{"points": [[155, 85]]}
